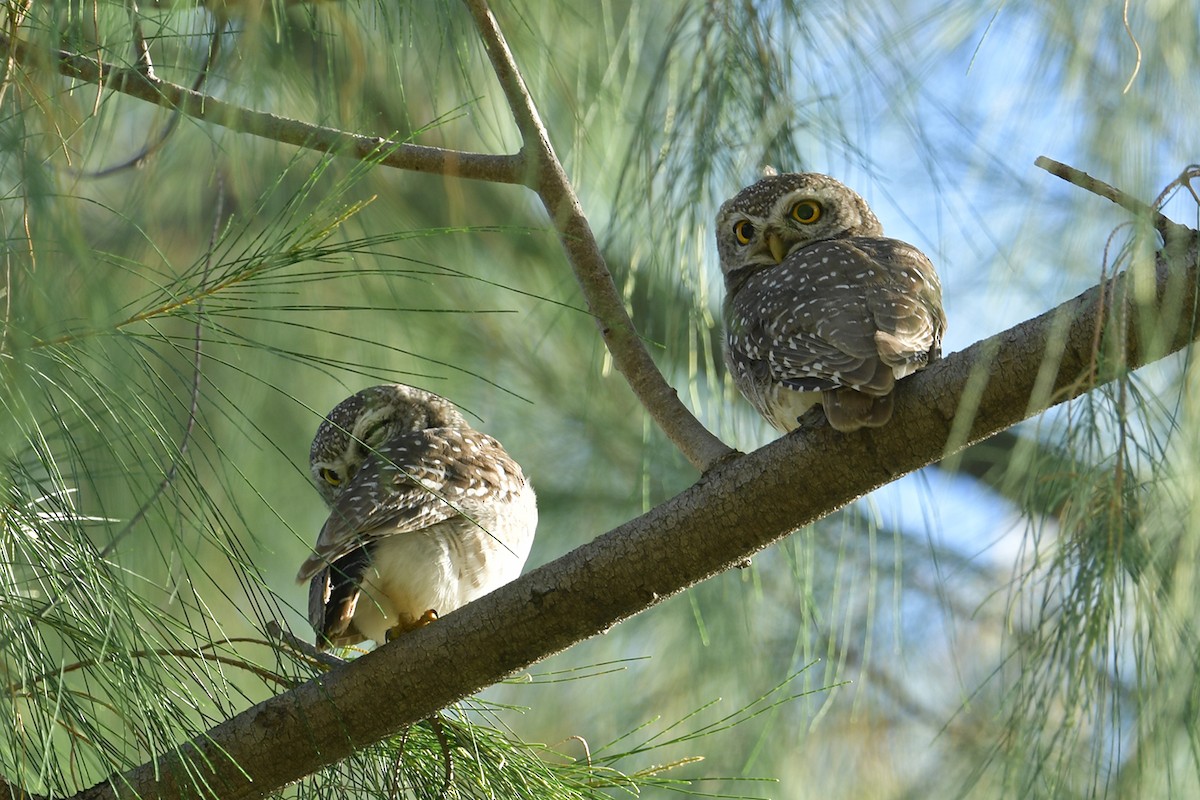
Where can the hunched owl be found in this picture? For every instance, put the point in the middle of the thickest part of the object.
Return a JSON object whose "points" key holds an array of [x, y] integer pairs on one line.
{"points": [[820, 307], [426, 514]]}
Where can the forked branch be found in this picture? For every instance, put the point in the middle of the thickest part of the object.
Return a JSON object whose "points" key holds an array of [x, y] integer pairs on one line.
{"points": [[536, 166]]}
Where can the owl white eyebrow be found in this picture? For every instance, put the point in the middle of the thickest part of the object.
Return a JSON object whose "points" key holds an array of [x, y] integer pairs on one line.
{"points": [[793, 197]]}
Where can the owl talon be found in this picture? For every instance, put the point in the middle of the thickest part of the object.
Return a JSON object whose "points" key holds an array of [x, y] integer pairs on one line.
{"points": [[399, 630], [812, 418]]}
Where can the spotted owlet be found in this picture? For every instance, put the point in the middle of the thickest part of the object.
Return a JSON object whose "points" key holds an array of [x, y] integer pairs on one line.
{"points": [[426, 514], [820, 307]]}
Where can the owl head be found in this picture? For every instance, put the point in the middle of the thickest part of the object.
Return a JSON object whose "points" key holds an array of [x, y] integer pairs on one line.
{"points": [[759, 226], [364, 421]]}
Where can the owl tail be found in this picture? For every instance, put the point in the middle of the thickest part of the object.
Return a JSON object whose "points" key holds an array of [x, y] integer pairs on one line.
{"points": [[848, 410], [333, 598]]}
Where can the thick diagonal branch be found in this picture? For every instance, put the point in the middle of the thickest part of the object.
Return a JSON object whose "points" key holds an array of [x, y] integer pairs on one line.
{"points": [[737, 509]]}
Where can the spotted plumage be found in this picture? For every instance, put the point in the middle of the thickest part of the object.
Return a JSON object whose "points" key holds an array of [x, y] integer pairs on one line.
{"points": [[426, 514], [820, 307]]}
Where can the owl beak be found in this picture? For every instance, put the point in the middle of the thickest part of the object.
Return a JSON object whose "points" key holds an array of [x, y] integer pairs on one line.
{"points": [[775, 245]]}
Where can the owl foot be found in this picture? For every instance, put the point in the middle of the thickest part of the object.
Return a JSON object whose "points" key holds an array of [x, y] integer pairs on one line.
{"points": [[407, 627], [812, 418]]}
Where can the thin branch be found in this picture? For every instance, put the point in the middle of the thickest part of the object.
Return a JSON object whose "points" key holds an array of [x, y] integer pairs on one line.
{"points": [[737, 509], [26, 687], [146, 66], [1137, 48], [1190, 173], [1101, 189], [629, 354], [390, 153], [301, 648], [141, 49], [546, 176]]}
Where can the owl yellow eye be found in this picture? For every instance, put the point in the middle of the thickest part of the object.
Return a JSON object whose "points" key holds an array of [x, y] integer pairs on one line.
{"points": [[744, 231], [330, 476], [806, 211]]}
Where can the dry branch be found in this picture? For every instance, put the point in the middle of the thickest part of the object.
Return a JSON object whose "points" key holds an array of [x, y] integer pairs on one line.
{"points": [[1101, 189], [737, 509]]}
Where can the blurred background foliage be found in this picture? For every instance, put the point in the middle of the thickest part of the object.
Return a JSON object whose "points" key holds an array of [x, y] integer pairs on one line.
{"points": [[1018, 622]]}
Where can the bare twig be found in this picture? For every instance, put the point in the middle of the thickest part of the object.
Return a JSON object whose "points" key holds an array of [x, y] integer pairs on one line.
{"points": [[548, 178], [1137, 49], [25, 687], [303, 648], [439, 730], [1098, 187], [155, 143], [1190, 173], [141, 50]]}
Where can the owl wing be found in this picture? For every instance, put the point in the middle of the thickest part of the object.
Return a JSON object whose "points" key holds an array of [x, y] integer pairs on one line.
{"points": [[836, 314], [805, 321], [907, 305], [411, 482]]}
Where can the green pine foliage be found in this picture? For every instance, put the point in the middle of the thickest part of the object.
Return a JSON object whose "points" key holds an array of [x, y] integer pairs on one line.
{"points": [[1019, 621]]}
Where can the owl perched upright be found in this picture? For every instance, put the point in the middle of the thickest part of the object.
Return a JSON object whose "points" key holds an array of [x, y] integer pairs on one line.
{"points": [[820, 307], [426, 514]]}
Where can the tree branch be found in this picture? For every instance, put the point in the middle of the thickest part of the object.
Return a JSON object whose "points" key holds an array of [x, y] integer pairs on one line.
{"points": [[545, 175], [10, 792], [629, 354], [1101, 189], [390, 153], [738, 508]]}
